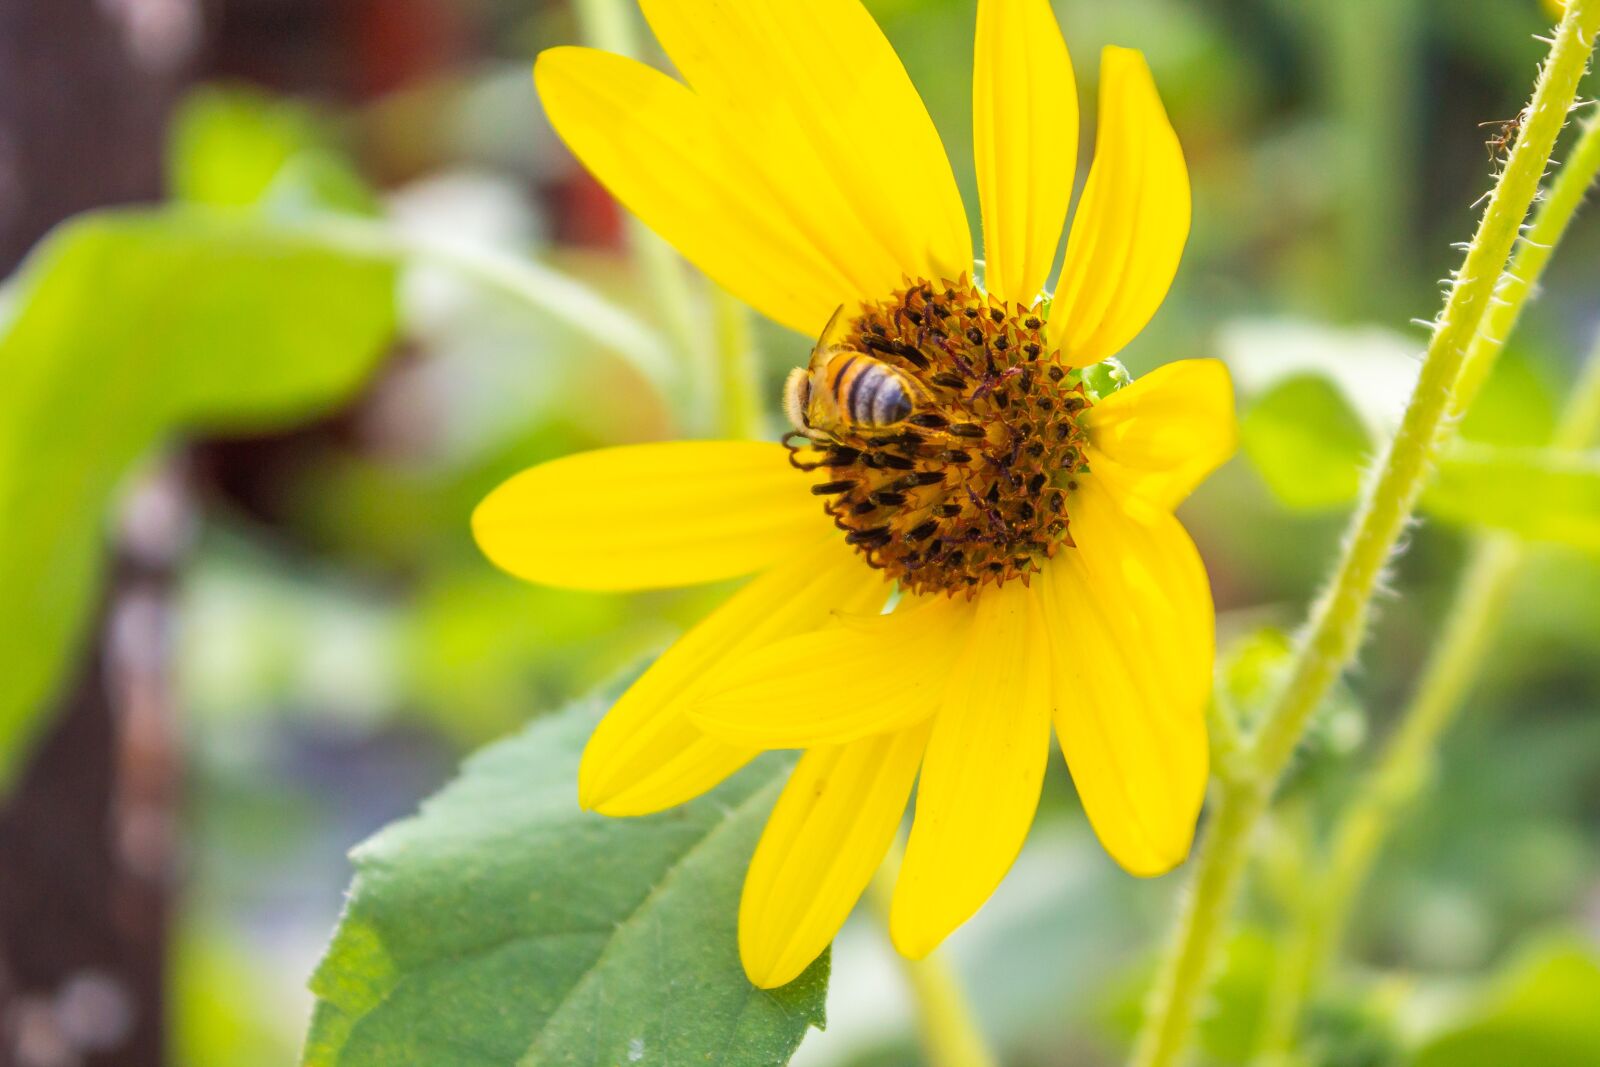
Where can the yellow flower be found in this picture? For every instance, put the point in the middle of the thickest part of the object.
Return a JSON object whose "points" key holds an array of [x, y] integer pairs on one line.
{"points": [[1026, 523]]}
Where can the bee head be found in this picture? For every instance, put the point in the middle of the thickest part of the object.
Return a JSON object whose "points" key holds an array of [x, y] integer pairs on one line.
{"points": [[797, 397]]}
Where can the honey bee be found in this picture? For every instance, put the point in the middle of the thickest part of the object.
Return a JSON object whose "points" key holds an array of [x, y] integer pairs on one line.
{"points": [[844, 389]]}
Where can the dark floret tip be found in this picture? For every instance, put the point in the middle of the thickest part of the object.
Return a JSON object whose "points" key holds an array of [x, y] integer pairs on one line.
{"points": [[962, 494]]}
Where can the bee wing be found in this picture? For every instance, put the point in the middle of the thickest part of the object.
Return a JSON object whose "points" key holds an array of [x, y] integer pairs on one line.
{"points": [[833, 334]]}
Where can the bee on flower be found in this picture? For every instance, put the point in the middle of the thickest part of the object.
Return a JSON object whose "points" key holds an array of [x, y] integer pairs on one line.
{"points": [[948, 458]]}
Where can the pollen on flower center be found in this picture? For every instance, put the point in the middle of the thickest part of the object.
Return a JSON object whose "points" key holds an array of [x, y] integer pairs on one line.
{"points": [[961, 480]]}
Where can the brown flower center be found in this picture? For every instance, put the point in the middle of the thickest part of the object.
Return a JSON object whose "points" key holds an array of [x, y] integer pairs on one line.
{"points": [[949, 432]]}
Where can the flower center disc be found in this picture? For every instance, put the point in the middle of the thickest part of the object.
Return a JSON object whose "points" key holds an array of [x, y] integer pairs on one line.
{"points": [[967, 488]]}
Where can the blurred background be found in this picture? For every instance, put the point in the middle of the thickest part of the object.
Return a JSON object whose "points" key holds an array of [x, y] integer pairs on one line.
{"points": [[263, 631]]}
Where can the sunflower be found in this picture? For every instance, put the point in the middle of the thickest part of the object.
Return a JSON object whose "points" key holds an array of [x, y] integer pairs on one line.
{"points": [[964, 542]]}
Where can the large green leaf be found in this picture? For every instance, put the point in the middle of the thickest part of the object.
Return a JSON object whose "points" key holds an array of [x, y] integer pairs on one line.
{"points": [[128, 327], [1541, 494], [1545, 1012], [504, 926]]}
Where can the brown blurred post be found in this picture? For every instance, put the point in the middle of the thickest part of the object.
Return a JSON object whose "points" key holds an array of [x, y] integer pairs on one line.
{"points": [[85, 88], [87, 837], [86, 834]]}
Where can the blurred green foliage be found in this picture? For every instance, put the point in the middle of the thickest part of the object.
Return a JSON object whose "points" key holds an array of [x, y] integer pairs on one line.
{"points": [[1310, 431], [343, 641], [1537, 494], [229, 146], [1306, 443], [130, 328], [1540, 1013]]}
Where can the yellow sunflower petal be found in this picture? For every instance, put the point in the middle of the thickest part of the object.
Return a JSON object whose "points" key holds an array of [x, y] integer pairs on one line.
{"points": [[1132, 221], [1167, 431], [981, 775], [830, 830], [645, 755], [650, 516], [826, 119], [835, 685], [1025, 142], [656, 146], [1131, 622]]}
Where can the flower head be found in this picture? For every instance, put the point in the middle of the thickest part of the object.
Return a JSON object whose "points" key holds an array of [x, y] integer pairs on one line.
{"points": [[966, 485], [947, 448]]}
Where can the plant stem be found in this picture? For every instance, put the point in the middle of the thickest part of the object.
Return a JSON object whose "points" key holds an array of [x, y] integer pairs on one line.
{"points": [[945, 1025], [609, 25], [1550, 224], [1338, 620], [1370, 48], [738, 369], [1473, 619], [546, 291], [1202, 924]]}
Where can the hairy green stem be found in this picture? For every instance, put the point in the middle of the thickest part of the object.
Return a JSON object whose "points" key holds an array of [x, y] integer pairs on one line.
{"points": [[945, 1024], [1486, 586], [1338, 620], [1550, 223]]}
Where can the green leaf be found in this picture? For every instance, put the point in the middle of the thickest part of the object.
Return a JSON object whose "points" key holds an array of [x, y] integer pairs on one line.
{"points": [[1541, 1013], [1518, 405], [504, 926], [1374, 369], [1541, 494], [129, 327], [228, 145], [239, 148], [1307, 443]]}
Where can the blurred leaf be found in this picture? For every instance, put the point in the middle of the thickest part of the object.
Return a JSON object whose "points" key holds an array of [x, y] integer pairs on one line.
{"points": [[503, 926], [1353, 1027], [228, 145], [1307, 444], [317, 182], [1373, 368], [222, 1011], [1544, 1012], [1537, 493], [1517, 405], [131, 326], [235, 147]]}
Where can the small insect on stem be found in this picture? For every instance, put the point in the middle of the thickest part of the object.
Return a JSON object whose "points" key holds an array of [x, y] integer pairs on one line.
{"points": [[1505, 134]]}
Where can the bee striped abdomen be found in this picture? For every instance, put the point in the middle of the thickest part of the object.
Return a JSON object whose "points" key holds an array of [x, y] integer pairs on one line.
{"points": [[870, 393]]}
